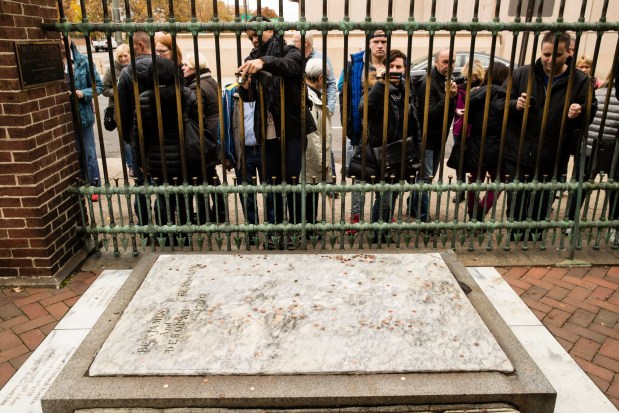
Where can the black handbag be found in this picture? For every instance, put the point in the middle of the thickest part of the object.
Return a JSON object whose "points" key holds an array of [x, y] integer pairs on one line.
{"points": [[454, 157], [109, 118], [192, 144], [356, 166], [392, 153]]}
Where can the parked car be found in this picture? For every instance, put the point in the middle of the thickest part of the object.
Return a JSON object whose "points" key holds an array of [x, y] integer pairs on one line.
{"points": [[101, 45], [419, 66]]}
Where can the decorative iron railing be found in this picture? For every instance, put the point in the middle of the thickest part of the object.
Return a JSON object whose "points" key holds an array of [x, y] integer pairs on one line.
{"points": [[130, 216]]}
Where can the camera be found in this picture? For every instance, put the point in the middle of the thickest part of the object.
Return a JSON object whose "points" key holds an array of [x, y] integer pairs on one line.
{"points": [[239, 77], [392, 76]]}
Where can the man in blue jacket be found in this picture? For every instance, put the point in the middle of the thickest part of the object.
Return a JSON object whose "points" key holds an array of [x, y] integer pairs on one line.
{"points": [[354, 119]]}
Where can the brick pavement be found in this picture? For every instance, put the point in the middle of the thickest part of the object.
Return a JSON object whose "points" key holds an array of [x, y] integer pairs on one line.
{"points": [[580, 307]]}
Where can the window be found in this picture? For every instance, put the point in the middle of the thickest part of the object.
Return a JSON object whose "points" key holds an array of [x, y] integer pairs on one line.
{"points": [[547, 10]]}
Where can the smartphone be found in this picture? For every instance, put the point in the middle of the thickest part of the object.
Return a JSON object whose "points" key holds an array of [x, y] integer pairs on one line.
{"points": [[239, 77]]}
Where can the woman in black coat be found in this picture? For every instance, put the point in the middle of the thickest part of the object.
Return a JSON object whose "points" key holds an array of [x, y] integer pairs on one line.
{"points": [[488, 158], [200, 79], [163, 156]]}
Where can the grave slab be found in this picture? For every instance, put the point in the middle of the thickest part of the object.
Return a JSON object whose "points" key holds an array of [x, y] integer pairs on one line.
{"points": [[293, 331], [333, 314]]}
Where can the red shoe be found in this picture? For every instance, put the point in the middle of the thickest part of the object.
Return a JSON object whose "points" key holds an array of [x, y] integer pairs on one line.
{"points": [[353, 220], [94, 198]]}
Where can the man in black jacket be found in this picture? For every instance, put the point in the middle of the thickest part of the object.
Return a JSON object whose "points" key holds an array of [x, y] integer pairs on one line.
{"points": [[285, 63], [439, 85], [525, 158], [126, 100]]}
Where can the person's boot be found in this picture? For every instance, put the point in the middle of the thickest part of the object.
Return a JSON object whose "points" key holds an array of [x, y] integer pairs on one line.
{"points": [[459, 197], [353, 220]]}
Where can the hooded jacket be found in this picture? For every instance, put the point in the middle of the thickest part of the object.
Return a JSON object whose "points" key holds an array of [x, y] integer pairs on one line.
{"points": [[548, 155], [125, 91]]}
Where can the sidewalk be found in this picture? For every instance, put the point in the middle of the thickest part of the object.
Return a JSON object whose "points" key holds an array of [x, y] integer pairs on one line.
{"points": [[579, 306]]}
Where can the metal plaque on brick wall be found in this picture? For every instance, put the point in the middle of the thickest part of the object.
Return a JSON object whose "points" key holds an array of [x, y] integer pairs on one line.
{"points": [[39, 63]]}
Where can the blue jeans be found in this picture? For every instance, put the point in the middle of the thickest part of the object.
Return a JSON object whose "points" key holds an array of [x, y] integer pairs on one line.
{"points": [[90, 155], [357, 198], [128, 155], [431, 163], [384, 206], [253, 169]]}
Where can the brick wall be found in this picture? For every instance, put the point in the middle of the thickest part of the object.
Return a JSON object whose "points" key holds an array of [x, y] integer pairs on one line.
{"points": [[38, 158]]}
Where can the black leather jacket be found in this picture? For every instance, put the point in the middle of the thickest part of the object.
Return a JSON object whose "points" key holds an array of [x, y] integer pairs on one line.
{"points": [[287, 68], [548, 155]]}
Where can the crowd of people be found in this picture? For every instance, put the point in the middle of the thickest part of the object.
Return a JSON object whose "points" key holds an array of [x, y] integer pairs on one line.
{"points": [[266, 129]]}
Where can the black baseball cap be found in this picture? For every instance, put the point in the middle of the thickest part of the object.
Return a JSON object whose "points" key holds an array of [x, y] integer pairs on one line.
{"points": [[377, 33]]}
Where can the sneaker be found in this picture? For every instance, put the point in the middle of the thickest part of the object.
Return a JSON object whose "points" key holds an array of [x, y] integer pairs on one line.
{"points": [[353, 220], [613, 235], [132, 173], [94, 198]]}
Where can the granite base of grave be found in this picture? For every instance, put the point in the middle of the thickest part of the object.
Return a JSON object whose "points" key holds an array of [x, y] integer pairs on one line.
{"points": [[297, 333]]}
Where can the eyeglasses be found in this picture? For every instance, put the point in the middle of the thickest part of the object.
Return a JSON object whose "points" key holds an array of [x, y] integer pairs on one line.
{"points": [[161, 51]]}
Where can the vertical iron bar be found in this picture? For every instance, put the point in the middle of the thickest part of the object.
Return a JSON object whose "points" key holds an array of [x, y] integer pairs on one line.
{"points": [[222, 155], [344, 120]]}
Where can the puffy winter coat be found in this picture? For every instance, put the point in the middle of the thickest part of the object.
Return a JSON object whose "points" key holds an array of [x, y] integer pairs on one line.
{"points": [[125, 91], [611, 123], [171, 148]]}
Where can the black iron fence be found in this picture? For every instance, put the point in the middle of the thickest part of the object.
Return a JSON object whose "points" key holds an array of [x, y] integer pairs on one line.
{"points": [[543, 184]]}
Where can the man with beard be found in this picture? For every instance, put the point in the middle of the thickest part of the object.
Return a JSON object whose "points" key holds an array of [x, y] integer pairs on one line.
{"points": [[521, 161]]}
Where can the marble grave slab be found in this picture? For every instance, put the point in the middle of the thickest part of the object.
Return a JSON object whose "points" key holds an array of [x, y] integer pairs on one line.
{"points": [[299, 314]]}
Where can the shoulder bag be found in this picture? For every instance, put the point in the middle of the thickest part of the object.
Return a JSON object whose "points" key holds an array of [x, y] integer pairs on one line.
{"points": [[192, 143], [109, 118]]}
